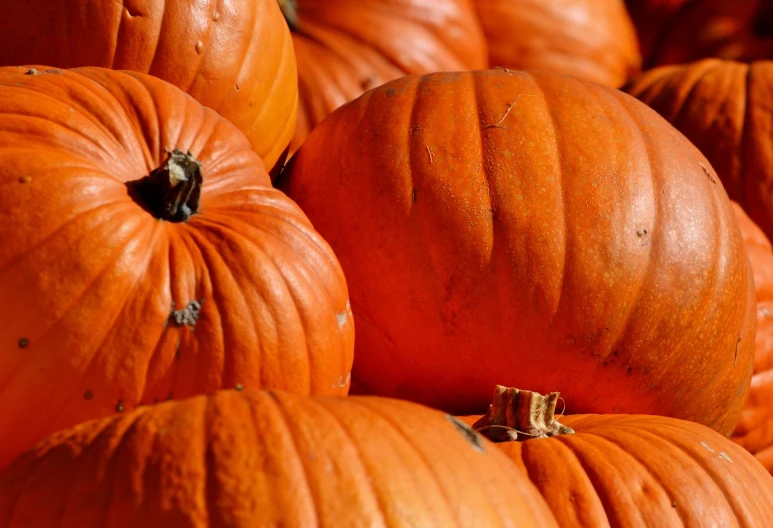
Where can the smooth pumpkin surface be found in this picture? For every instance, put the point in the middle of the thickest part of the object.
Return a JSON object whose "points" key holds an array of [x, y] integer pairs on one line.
{"points": [[723, 108], [235, 57], [638, 470], [593, 40], [345, 47], [535, 231], [754, 430], [681, 31], [105, 306], [270, 459]]}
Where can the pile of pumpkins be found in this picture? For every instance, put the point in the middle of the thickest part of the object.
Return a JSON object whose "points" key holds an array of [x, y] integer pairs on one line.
{"points": [[548, 222]]}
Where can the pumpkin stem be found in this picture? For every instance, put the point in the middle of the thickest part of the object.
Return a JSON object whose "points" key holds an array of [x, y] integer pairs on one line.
{"points": [[290, 11], [520, 415], [172, 191]]}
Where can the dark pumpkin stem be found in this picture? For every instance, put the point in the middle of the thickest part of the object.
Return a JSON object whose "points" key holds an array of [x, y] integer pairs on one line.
{"points": [[290, 11], [172, 191], [520, 415]]}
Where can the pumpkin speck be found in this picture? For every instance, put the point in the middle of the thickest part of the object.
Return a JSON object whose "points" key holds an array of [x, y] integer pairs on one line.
{"points": [[88, 395], [25, 179], [23, 342], [119, 406]]}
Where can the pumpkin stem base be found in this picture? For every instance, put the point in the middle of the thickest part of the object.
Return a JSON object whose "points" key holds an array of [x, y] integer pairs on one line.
{"points": [[172, 191], [520, 415]]}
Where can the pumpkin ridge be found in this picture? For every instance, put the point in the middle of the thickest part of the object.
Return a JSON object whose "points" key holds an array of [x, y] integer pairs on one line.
{"points": [[132, 421], [279, 408], [130, 291], [644, 476], [565, 234], [395, 426], [679, 443], [476, 92], [215, 273], [654, 224], [748, 124], [46, 331]]}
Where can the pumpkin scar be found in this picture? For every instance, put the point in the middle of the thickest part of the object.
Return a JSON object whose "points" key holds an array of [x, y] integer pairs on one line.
{"points": [[735, 359], [510, 106], [186, 316]]}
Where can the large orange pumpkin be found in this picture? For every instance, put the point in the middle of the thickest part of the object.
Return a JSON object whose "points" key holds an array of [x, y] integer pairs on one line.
{"points": [[270, 459], [534, 230], [235, 57], [754, 431], [723, 107], [680, 31], [125, 280], [345, 47], [593, 40], [628, 470]]}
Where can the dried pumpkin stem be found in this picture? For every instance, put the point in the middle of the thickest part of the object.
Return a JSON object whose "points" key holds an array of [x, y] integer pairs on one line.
{"points": [[172, 191], [290, 11], [526, 413]]}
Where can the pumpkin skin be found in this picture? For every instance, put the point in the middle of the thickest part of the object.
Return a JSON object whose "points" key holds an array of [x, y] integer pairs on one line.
{"points": [[93, 285], [270, 459], [754, 430], [636, 470], [682, 31], [522, 228], [723, 108], [345, 47], [593, 40], [234, 57]]}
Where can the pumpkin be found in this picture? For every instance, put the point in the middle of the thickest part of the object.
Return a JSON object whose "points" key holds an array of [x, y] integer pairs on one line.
{"points": [[130, 275], [345, 47], [754, 431], [722, 107], [270, 459], [681, 31], [532, 229], [628, 470], [651, 18], [593, 40], [235, 57]]}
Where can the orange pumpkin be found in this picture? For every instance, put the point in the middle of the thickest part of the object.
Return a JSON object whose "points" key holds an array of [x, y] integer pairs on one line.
{"points": [[723, 108], [593, 40], [680, 31], [651, 18], [628, 470], [754, 431], [270, 459], [131, 275], [345, 47], [537, 230], [235, 57]]}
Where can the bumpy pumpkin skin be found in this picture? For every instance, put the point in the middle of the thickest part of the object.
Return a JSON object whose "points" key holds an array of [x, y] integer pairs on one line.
{"points": [[593, 40], [535, 231], [270, 459], [629, 470], [89, 279], [723, 108], [234, 57], [345, 47], [754, 430]]}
